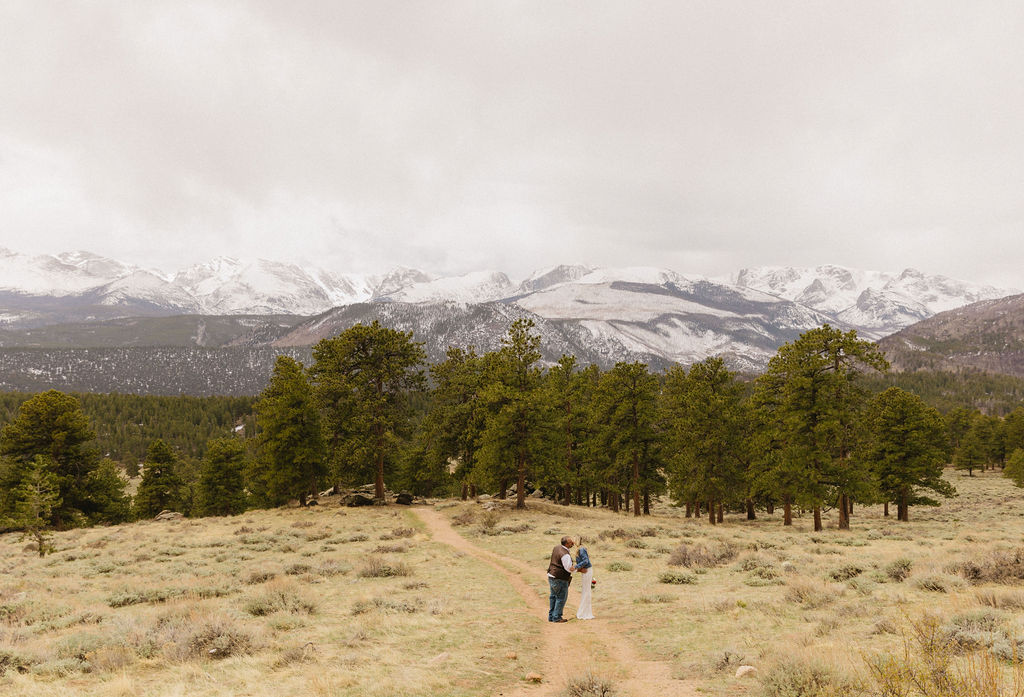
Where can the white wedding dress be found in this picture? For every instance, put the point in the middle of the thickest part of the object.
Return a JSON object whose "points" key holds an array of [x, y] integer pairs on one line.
{"points": [[585, 611]]}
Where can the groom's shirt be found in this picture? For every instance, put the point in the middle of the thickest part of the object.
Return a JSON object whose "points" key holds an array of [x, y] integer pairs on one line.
{"points": [[561, 564]]}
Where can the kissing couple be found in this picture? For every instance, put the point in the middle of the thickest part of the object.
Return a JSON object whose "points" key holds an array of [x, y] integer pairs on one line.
{"points": [[560, 576]]}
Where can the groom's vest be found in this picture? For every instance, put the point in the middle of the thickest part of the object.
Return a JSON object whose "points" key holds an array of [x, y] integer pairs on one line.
{"points": [[555, 568]]}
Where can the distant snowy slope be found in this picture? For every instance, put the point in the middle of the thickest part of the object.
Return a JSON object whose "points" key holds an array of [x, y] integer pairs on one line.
{"points": [[475, 287], [878, 303], [61, 275]]}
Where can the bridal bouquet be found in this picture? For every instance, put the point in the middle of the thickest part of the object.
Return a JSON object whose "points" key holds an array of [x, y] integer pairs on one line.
{"points": [[593, 583]]}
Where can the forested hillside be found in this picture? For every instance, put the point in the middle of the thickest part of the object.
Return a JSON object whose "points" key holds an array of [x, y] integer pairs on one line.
{"points": [[126, 424]]}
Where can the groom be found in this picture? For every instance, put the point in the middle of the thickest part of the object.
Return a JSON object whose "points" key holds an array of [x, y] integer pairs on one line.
{"points": [[559, 576]]}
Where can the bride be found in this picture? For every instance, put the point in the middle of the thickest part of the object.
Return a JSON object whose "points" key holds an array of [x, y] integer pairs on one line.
{"points": [[586, 571]]}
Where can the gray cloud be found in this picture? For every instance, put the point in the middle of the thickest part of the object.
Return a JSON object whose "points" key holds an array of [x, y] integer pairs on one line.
{"points": [[703, 136]]}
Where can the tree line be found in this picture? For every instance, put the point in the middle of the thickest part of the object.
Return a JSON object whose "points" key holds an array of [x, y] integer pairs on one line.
{"points": [[808, 434]]}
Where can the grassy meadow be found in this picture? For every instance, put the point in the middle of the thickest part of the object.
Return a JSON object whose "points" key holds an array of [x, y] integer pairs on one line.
{"points": [[336, 601]]}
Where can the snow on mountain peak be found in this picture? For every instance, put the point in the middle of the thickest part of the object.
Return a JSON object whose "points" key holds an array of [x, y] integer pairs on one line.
{"points": [[473, 287]]}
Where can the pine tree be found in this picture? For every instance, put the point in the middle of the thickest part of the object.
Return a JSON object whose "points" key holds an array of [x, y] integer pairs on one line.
{"points": [[812, 387], [566, 387], [34, 500], [709, 434], [160, 488], [628, 427], [52, 424], [291, 459], [906, 450], [456, 416], [105, 490], [1014, 469], [221, 489], [516, 435], [363, 379], [971, 454]]}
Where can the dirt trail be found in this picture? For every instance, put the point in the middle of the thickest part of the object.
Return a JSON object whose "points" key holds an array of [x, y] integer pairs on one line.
{"points": [[571, 649]]}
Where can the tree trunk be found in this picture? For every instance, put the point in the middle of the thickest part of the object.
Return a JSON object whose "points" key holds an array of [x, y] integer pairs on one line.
{"points": [[751, 514], [885, 509], [689, 510], [817, 519], [849, 502], [636, 484], [378, 486], [720, 516], [647, 502], [903, 509], [787, 513], [521, 484], [844, 513], [472, 490], [465, 491], [711, 512], [770, 507], [696, 509], [503, 489], [568, 495], [626, 501]]}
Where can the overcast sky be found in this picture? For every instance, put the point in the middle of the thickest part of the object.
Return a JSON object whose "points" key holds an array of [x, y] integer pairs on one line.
{"points": [[452, 136]]}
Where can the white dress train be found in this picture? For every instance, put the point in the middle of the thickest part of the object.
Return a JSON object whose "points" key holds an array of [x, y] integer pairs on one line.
{"points": [[585, 611]]}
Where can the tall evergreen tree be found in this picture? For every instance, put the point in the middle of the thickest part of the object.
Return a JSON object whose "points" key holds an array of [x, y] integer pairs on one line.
{"points": [[52, 424], [456, 417], [221, 489], [290, 462], [709, 430], [812, 386], [34, 499], [160, 488], [105, 490], [566, 387], [972, 453], [515, 438], [628, 417], [906, 450], [364, 378]]}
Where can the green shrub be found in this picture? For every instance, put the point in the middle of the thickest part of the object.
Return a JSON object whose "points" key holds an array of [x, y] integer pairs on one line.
{"points": [[677, 578], [620, 566]]}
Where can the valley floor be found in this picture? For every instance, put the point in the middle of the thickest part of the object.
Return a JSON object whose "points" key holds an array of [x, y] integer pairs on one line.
{"points": [[451, 599]]}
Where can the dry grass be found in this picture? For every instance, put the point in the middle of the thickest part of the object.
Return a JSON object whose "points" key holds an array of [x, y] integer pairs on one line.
{"points": [[299, 602], [246, 605]]}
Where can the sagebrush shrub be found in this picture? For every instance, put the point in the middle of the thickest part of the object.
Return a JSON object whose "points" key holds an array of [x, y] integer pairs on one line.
{"points": [[899, 569], [376, 567], [796, 678], [676, 578], [703, 556]]}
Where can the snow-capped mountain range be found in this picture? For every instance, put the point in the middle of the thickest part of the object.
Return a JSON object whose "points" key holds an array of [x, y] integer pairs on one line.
{"points": [[610, 314]]}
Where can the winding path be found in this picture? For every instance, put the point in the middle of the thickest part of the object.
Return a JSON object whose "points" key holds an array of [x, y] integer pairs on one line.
{"points": [[567, 650]]}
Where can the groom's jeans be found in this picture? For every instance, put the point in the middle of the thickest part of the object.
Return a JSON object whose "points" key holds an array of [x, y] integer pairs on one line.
{"points": [[559, 592]]}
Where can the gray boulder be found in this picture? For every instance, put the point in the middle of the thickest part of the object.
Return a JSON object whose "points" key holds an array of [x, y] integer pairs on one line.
{"points": [[355, 499]]}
